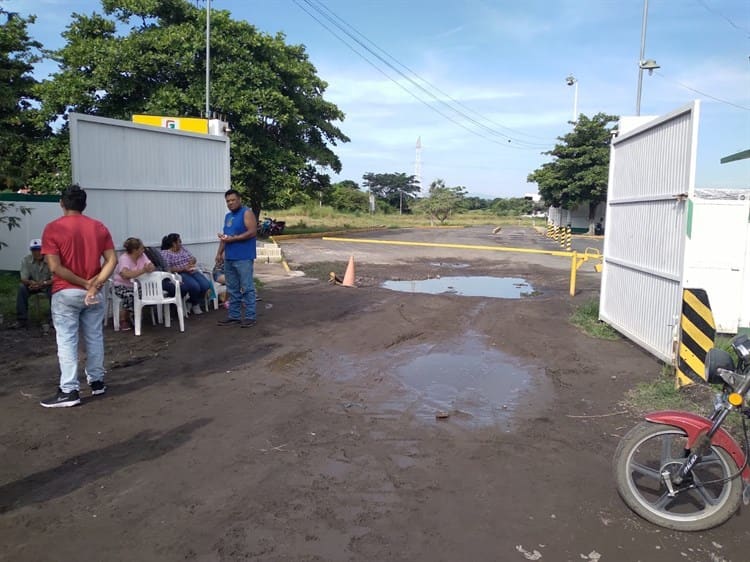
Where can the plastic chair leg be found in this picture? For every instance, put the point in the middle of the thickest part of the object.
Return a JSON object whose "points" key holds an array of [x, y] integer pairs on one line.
{"points": [[167, 315], [138, 316]]}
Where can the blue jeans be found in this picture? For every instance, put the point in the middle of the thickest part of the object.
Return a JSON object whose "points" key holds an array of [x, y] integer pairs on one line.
{"points": [[240, 287], [69, 315], [196, 285]]}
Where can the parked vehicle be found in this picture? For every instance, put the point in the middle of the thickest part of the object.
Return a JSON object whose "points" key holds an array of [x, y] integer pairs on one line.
{"points": [[270, 227], [682, 471]]}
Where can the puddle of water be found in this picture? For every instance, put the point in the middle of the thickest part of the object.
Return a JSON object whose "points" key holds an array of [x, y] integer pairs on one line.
{"points": [[475, 384], [471, 383], [496, 287]]}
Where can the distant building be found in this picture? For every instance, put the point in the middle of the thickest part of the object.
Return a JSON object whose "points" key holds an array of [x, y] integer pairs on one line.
{"points": [[533, 197]]}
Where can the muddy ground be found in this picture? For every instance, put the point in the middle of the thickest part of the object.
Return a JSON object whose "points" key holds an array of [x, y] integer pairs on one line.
{"points": [[314, 435]]}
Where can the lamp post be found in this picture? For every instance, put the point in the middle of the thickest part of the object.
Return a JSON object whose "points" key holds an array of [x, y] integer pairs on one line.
{"points": [[573, 81], [643, 64], [208, 55]]}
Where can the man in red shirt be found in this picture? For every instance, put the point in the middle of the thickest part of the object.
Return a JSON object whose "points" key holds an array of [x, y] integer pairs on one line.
{"points": [[74, 247]]}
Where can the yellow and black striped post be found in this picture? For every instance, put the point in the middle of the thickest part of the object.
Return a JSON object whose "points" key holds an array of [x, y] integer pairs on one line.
{"points": [[568, 238], [697, 333], [550, 226]]}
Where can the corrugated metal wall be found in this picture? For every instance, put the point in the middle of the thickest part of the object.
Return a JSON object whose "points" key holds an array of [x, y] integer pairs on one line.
{"points": [[147, 181], [652, 172]]}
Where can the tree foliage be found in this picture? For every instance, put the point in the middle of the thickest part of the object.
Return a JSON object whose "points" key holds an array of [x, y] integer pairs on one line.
{"points": [[348, 197], [148, 56], [395, 188], [21, 129], [512, 206], [442, 201], [579, 169], [474, 203]]}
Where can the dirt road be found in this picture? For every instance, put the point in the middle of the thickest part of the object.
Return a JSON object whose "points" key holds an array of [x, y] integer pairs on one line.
{"points": [[315, 437]]}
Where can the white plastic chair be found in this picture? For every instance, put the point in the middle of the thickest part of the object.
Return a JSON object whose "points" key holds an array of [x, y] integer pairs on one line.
{"points": [[151, 292], [185, 297], [114, 305]]}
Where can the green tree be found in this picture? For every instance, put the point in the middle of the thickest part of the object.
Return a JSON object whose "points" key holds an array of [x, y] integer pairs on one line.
{"points": [[20, 125], [512, 206], [579, 169], [395, 189], [347, 196], [148, 56], [441, 201], [474, 203]]}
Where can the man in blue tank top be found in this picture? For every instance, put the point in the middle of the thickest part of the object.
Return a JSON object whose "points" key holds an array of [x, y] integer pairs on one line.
{"points": [[237, 253]]}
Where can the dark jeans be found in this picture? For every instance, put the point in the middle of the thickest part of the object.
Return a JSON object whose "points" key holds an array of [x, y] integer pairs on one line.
{"points": [[22, 300], [196, 285]]}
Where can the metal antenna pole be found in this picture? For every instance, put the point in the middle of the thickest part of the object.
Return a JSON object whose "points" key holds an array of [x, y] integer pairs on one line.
{"points": [[208, 55], [573, 81], [575, 103], [640, 60]]}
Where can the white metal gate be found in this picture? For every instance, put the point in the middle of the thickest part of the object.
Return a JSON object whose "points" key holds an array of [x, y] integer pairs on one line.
{"points": [[651, 175], [148, 181]]}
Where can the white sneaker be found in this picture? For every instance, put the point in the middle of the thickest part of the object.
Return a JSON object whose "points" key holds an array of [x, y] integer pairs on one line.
{"points": [[196, 309]]}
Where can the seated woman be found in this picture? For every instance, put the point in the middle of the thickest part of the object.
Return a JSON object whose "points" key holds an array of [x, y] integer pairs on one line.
{"points": [[133, 263], [179, 260]]}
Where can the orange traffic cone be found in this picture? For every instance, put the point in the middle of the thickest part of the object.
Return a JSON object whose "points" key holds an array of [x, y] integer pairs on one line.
{"points": [[349, 275]]}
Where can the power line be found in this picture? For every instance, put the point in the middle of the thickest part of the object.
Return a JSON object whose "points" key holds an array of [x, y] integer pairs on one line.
{"points": [[714, 11], [433, 86], [661, 75], [381, 71], [520, 144]]}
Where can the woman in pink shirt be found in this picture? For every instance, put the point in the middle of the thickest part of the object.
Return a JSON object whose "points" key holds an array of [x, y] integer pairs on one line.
{"points": [[130, 265]]}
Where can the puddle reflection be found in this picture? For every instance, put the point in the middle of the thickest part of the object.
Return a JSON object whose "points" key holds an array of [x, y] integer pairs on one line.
{"points": [[495, 287], [472, 383]]}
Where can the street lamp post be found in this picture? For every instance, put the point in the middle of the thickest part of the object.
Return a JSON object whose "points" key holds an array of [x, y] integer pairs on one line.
{"points": [[208, 55], [573, 81], [643, 64]]}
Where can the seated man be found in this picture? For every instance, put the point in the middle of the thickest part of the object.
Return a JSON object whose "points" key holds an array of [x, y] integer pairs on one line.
{"points": [[35, 278]]}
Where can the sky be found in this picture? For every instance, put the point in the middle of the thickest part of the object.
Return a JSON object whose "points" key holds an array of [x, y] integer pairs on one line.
{"points": [[482, 83]]}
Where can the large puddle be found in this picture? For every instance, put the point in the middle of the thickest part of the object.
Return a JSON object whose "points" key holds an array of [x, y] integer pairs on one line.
{"points": [[496, 287], [470, 383]]}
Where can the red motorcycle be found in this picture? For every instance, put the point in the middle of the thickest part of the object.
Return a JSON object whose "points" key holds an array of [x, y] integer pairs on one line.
{"points": [[685, 472]]}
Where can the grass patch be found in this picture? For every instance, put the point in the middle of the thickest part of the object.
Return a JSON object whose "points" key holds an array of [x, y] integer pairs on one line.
{"points": [[586, 317], [313, 219], [661, 394], [8, 288], [38, 307]]}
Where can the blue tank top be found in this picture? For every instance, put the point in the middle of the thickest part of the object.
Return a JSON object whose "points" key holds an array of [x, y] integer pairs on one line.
{"points": [[234, 224]]}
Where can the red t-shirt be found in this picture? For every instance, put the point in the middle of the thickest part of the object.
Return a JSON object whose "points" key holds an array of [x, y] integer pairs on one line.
{"points": [[80, 242]]}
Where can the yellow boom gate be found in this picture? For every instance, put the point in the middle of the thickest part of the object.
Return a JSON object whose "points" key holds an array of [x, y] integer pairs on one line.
{"points": [[577, 259]]}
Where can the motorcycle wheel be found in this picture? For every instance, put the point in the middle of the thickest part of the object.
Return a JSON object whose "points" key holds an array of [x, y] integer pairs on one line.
{"points": [[650, 448]]}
